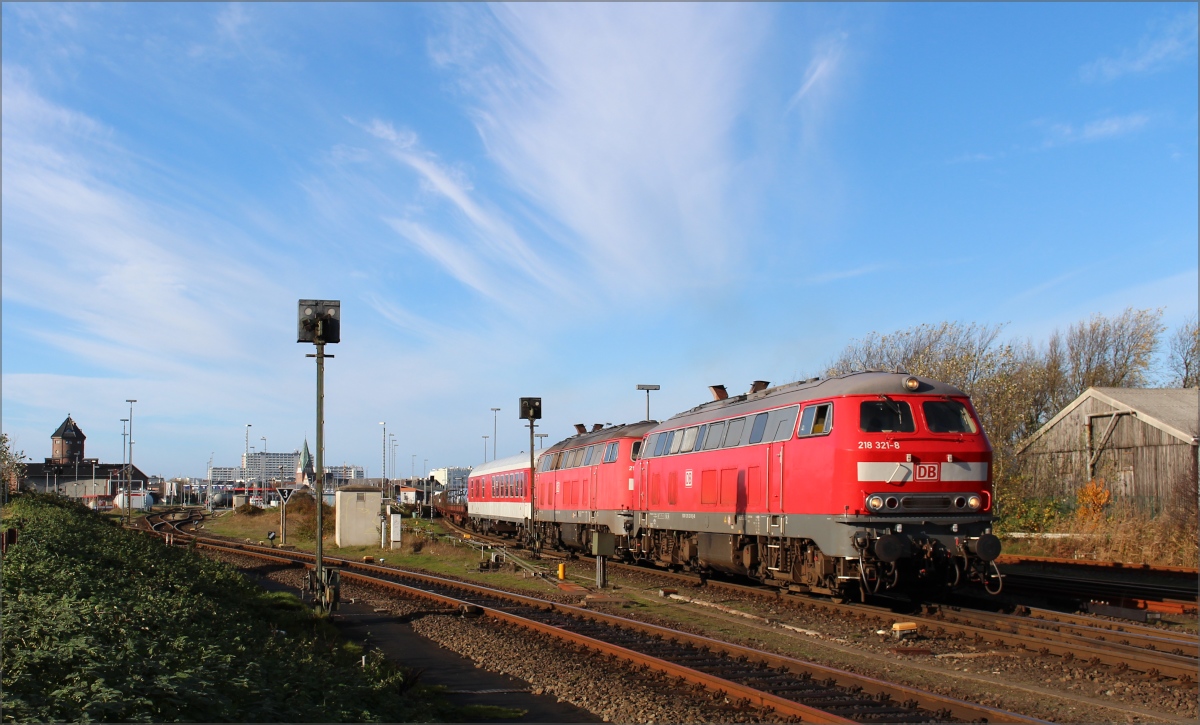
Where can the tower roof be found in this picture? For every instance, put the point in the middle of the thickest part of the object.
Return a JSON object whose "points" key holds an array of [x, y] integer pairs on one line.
{"points": [[68, 429], [306, 464]]}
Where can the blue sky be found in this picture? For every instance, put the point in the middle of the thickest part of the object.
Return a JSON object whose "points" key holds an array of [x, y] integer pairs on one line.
{"points": [[557, 200]]}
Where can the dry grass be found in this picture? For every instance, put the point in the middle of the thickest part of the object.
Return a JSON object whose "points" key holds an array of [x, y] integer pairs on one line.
{"points": [[1105, 529]]}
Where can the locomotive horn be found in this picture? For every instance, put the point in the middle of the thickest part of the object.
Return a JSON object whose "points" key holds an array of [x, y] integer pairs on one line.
{"points": [[719, 392]]}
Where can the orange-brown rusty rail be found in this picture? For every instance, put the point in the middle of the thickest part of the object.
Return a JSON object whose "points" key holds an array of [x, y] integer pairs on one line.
{"points": [[911, 697]]}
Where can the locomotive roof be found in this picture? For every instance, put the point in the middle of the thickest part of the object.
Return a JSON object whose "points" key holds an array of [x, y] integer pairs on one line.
{"points": [[625, 430], [863, 383], [500, 465]]}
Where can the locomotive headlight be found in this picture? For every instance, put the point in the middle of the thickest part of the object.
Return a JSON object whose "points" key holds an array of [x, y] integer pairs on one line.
{"points": [[973, 502], [875, 502], [911, 383]]}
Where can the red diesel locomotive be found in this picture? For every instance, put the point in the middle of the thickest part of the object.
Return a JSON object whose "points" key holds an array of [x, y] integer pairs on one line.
{"points": [[844, 486]]}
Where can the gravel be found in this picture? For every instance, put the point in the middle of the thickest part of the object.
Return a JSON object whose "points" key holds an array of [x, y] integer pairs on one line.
{"points": [[609, 688]]}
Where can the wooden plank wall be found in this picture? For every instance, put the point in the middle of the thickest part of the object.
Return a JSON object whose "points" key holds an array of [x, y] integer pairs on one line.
{"points": [[1139, 462]]}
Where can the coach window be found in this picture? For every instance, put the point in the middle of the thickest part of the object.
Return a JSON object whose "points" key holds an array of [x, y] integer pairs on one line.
{"points": [[734, 436], [885, 416], [759, 428], [947, 416], [676, 441], [816, 420], [713, 438], [689, 440]]}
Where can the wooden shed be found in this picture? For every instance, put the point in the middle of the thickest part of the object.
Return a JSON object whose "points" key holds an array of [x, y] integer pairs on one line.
{"points": [[1141, 441]]}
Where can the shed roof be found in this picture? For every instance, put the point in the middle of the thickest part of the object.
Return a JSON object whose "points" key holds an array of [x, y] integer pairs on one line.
{"points": [[1175, 411]]}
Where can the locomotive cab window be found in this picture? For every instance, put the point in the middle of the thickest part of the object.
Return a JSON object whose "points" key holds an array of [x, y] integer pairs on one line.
{"points": [[947, 416], [633, 452], [817, 420], [885, 416]]}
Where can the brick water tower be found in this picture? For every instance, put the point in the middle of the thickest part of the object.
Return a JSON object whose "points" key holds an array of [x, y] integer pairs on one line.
{"points": [[66, 445]]}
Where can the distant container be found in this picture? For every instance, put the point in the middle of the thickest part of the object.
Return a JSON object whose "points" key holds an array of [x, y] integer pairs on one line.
{"points": [[141, 501]]}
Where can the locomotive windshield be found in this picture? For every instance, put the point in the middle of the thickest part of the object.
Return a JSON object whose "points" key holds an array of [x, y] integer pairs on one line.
{"points": [[885, 416], [947, 416]]}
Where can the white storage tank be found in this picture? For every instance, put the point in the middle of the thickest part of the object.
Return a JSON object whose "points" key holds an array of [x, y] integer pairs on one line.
{"points": [[142, 501]]}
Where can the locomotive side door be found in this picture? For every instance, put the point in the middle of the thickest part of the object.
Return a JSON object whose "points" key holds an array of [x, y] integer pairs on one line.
{"points": [[774, 470]]}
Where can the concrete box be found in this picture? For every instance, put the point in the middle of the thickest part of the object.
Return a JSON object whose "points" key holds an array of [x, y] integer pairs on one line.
{"points": [[356, 515]]}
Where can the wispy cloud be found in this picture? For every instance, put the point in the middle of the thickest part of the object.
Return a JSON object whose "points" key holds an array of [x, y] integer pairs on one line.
{"points": [[615, 122], [844, 274], [974, 158], [107, 265], [1059, 134], [492, 237], [1166, 44]]}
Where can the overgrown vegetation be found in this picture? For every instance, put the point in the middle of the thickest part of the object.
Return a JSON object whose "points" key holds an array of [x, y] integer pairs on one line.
{"points": [[104, 624], [1017, 386]]}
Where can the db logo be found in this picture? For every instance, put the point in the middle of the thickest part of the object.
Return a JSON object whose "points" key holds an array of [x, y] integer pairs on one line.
{"points": [[927, 471]]}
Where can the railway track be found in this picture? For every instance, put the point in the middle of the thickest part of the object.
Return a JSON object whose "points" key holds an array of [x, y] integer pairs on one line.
{"points": [[790, 687], [1149, 651]]}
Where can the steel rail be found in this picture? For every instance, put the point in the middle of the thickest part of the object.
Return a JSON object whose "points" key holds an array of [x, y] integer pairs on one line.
{"points": [[1145, 639], [1011, 630], [1102, 565], [1101, 588], [986, 627], [784, 674], [1048, 615]]}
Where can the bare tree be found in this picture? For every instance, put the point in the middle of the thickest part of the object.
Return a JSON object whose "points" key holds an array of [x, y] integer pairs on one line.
{"points": [[1114, 352], [1003, 380], [1183, 355]]}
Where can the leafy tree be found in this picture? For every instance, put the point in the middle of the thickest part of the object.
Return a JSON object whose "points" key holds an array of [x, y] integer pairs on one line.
{"points": [[12, 465]]}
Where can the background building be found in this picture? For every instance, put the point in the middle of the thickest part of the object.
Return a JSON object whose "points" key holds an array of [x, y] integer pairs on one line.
{"points": [[70, 472], [1141, 441]]}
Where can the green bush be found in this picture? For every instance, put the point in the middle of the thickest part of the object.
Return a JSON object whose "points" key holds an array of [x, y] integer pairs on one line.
{"points": [[105, 624], [1034, 515]]}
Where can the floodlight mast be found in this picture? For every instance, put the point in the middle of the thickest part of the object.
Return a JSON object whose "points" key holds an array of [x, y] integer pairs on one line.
{"points": [[648, 388], [319, 324]]}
